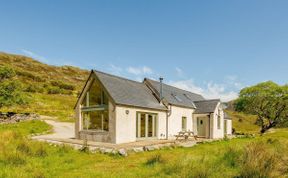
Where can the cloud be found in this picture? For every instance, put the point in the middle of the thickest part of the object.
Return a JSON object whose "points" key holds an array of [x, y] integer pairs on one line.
{"points": [[139, 70], [209, 91], [179, 72], [34, 55], [115, 69]]}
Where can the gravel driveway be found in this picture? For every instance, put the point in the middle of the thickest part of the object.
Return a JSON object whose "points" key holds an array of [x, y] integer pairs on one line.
{"points": [[62, 130]]}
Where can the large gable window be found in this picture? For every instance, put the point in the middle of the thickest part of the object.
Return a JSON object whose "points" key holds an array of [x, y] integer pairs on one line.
{"points": [[94, 109]]}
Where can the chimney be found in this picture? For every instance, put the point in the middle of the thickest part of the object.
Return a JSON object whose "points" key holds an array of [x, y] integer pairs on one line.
{"points": [[161, 88]]}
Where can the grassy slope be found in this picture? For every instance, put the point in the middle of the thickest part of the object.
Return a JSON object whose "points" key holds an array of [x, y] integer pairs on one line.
{"points": [[20, 157], [243, 123], [33, 73]]}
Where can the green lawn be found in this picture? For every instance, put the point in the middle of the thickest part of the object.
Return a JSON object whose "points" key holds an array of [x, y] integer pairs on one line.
{"points": [[264, 156]]}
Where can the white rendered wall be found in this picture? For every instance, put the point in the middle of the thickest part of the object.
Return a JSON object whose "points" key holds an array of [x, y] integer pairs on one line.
{"points": [[217, 133], [126, 123], [229, 126], [175, 120]]}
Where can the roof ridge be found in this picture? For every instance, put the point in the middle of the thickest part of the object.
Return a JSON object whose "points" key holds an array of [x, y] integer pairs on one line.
{"points": [[207, 100], [115, 76], [174, 87]]}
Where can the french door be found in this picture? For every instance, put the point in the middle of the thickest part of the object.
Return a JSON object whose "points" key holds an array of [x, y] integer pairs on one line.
{"points": [[146, 125]]}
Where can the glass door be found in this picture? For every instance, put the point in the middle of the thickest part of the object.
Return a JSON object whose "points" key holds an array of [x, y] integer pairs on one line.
{"points": [[146, 125]]}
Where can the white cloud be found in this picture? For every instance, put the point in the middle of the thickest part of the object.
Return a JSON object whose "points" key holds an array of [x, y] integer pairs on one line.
{"points": [[139, 70], [209, 91], [34, 55], [115, 69], [179, 72]]}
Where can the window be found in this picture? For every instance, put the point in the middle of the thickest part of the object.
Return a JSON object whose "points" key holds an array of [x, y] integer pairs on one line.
{"points": [[95, 96], [95, 120], [184, 123], [146, 125], [95, 113], [176, 97]]}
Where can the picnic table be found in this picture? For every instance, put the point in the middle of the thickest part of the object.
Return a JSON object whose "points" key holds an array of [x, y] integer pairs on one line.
{"points": [[186, 135]]}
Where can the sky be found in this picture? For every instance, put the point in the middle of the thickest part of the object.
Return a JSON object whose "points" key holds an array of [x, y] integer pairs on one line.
{"points": [[214, 48]]}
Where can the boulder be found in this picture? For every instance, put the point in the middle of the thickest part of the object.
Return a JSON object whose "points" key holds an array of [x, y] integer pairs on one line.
{"points": [[122, 152], [138, 149]]}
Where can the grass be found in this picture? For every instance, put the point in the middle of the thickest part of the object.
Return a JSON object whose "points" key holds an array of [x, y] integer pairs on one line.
{"points": [[58, 106], [244, 123], [51, 90], [264, 156]]}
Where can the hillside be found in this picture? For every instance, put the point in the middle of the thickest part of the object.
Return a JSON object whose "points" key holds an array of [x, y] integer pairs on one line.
{"points": [[52, 90]]}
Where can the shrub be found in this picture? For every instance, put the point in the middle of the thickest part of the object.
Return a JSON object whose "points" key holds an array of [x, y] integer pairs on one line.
{"points": [[6, 72], [34, 89], [62, 85], [54, 90], [11, 93], [32, 76]]}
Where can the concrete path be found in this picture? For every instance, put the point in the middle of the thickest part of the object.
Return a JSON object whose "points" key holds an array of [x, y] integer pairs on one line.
{"points": [[61, 130]]}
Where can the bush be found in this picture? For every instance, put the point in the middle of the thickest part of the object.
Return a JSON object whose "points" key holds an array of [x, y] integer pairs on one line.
{"points": [[54, 90], [34, 89], [11, 93], [6, 72], [63, 85], [32, 76]]}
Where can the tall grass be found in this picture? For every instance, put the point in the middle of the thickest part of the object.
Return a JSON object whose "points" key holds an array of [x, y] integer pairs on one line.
{"points": [[264, 156]]}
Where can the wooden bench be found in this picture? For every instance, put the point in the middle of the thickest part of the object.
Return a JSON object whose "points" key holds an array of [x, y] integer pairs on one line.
{"points": [[186, 135]]}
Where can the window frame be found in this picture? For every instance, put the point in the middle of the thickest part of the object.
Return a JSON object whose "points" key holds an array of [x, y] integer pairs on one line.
{"points": [[102, 107], [184, 123]]}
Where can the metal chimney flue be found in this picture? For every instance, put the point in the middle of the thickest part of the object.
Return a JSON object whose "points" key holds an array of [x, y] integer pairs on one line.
{"points": [[161, 88]]}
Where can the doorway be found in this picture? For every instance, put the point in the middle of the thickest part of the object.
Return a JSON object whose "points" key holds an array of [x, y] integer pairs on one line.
{"points": [[146, 125], [202, 127]]}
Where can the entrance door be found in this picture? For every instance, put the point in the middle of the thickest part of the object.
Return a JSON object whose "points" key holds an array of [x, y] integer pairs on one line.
{"points": [[201, 126], [146, 125]]}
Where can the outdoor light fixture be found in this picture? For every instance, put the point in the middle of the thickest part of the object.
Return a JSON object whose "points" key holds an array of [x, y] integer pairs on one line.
{"points": [[127, 112]]}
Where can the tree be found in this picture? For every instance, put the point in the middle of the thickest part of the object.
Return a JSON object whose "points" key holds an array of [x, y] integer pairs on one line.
{"points": [[268, 100]]}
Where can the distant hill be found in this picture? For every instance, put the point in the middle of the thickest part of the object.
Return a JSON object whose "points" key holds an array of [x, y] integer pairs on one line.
{"points": [[52, 90]]}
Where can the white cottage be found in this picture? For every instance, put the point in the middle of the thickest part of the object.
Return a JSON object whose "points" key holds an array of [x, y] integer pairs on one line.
{"points": [[118, 110]]}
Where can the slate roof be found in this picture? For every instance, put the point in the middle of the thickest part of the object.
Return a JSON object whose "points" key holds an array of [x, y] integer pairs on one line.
{"points": [[128, 92], [175, 96], [144, 94], [206, 106]]}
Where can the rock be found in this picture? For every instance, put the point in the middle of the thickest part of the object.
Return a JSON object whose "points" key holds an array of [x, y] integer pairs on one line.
{"points": [[122, 152], [149, 148], [108, 150], [102, 150], [138, 149], [12, 117], [114, 152], [187, 144]]}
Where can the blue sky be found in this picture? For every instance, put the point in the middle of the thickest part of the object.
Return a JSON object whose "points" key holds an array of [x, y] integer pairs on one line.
{"points": [[211, 47]]}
